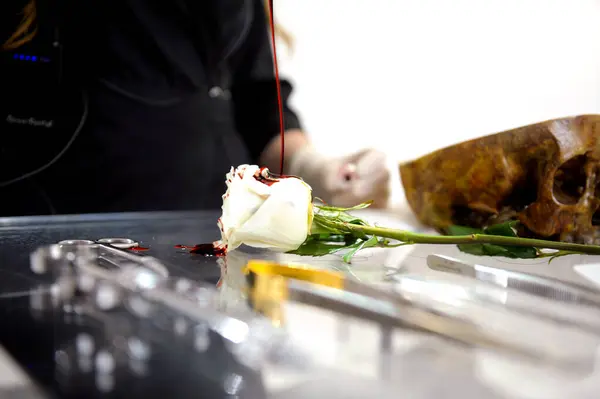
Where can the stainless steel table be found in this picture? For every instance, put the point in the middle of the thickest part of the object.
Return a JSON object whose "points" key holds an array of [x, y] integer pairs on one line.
{"points": [[53, 347], [44, 341], [160, 232]]}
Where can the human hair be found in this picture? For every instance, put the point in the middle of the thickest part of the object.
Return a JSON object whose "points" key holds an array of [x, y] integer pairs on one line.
{"points": [[27, 28], [280, 31]]}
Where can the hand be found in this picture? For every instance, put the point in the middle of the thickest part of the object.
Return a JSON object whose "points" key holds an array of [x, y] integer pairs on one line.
{"points": [[345, 181]]}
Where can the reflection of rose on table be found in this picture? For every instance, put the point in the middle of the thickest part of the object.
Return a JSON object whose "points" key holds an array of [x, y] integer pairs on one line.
{"points": [[232, 283]]}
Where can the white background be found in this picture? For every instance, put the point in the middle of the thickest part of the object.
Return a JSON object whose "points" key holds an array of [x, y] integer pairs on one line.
{"points": [[410, 76]]}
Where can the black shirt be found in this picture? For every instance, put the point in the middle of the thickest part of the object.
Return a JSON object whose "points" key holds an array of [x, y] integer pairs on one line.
{"points": [[174, 93]]}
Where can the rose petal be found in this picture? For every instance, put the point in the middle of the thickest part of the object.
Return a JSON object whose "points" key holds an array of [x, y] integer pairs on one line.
{"points": [[280, 223]]}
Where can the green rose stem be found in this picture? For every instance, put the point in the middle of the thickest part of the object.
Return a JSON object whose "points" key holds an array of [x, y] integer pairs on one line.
{"points": [[416, 238]]}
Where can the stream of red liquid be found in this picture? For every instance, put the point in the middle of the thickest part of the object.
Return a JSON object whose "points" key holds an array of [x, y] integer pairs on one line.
{"points": [[278, 85]]}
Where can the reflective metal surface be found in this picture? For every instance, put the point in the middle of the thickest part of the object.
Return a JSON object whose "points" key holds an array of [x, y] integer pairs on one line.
{"points": [[124, 323], [434, 307], [545, 287], [85, 351]]}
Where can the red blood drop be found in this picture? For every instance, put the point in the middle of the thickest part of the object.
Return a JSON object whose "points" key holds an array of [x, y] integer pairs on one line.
{"points": [[204, 249], [139, 249]]}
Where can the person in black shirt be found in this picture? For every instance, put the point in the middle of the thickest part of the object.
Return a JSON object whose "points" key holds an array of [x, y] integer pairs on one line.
{"points": [[146, 105]]}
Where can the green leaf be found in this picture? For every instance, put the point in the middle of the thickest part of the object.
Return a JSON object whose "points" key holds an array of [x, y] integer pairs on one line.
{"points": [[331, 237], [370, 243], [319, 228], [510, 251], [327, 239], [503, 229], [499, 250], [507, 229], [327, 244], [557, 254], [340, 216], [318, 248], [320, 245], [462, 231], [473, 249], [339, 209], [325, 220]]}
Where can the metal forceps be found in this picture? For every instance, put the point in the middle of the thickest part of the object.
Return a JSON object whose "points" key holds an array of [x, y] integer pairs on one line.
{"points": [[271, 285], [142, 286], [544, 287], [111, 251], [123, 243]]}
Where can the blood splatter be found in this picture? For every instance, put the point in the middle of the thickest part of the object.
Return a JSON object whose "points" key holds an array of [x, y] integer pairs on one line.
{"points": [[208, 249]]}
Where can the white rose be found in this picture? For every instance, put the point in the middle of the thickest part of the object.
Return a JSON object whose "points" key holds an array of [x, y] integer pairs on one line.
{"points": [[264, 211]]}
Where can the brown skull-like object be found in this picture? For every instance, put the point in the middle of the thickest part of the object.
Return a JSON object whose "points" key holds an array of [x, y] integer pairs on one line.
{"points": [[546, 175]]}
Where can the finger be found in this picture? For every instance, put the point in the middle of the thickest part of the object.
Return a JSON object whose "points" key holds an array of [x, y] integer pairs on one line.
{"points": [[379, 195], [348, 172], [367, 167], [357, 156], [371, 174], [372, 164], [341, 176], [367, 187], [362, 189]]}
